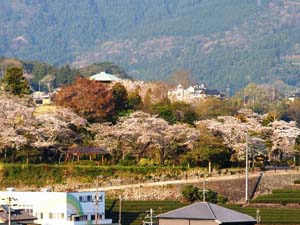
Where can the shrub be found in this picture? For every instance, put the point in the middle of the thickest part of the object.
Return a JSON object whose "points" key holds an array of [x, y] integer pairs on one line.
{"points": [[284, 202], [297, 181], [222, 199], [242, 118], [190, 193]]}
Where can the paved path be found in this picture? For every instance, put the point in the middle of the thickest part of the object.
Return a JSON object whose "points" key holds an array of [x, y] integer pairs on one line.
{"points": [[194, 180]]}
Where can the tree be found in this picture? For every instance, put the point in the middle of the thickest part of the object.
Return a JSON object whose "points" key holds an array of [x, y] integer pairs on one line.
{"points": [[134, 100], [183, 112], [165, 112], [293, 111], [210, 149], [190, 193], [260, 99], [48, 80], [141, 134], [120, 97], [182, 77], [90, 99], [147, 102], [210, 108], [14, 82]]}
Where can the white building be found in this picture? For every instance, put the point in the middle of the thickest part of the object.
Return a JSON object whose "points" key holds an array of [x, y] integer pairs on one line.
{"points": [[196, 92], [63, 208]]}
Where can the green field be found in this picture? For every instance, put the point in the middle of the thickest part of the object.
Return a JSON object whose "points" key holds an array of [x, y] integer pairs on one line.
{"points": [[279, 196], [133, 212]]}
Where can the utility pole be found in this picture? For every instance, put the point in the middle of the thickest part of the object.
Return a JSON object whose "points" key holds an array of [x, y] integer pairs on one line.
{"points": [[9, 213], [2, 72], [246, 188], [97, 201], [204, 189], [120, 209], [150, 216], [9, 201]]}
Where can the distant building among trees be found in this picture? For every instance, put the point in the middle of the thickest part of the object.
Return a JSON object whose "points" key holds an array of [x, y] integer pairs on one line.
{"points": [[192, 93]]}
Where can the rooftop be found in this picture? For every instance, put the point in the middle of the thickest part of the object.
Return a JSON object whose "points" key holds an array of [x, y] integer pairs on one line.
{"points": [[208, 211], [104, 77]]}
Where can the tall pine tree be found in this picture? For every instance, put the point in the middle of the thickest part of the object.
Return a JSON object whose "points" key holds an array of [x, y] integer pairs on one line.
{"points": [[15, 83]]}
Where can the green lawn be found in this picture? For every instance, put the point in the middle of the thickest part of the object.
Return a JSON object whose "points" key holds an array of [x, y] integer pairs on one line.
{"points": [[133, 212], [279, 196]]}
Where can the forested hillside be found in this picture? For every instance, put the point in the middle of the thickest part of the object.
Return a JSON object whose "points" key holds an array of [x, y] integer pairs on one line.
{"points": [[35, 71], [220, 41]]}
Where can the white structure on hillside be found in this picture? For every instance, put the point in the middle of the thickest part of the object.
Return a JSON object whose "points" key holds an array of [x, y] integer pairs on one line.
{"points": [[294, 96], [63, 208], [192, 93], [104, 77]]}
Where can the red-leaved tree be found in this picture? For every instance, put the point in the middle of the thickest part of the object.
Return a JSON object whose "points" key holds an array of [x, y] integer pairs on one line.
{"points": [[90, 99]]}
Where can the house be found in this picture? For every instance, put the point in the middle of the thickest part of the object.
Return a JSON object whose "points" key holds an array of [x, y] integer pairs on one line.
{"points": [[294, 96], [192, 93], [17, 216], [204, 213], [42, 98], [63, 208], [104, 77]]}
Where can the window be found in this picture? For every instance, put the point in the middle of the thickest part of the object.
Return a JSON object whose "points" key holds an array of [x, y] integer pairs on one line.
{"points": [[89, 198], [56, 215], [83, 218]]}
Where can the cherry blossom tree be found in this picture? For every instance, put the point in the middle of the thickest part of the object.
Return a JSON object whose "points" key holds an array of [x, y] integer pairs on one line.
{"points": [[142, 134]]}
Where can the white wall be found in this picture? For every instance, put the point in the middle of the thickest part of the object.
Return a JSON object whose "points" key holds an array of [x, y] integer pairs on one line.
{"points": [[59, 207]]}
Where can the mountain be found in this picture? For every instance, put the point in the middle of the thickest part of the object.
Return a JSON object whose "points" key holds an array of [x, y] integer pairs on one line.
{"points": [[220, 42]]}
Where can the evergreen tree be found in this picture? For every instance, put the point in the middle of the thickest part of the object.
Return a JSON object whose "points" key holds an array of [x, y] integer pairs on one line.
{"points": [[120, 97], [134, 100], [14, 82]]}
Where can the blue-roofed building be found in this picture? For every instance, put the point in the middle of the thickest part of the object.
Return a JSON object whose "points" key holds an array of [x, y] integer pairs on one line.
{"points": [[204, 213]]}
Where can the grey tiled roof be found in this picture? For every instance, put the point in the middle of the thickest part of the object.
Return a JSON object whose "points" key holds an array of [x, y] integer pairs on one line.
{"points": [[16, 215], [207, 211]]}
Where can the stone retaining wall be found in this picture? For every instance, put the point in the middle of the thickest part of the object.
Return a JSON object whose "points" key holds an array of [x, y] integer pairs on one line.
{"points": [[234, 189]]}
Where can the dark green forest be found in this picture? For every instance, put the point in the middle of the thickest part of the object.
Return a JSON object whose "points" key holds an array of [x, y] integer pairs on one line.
{"points": [[221, 42]]}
